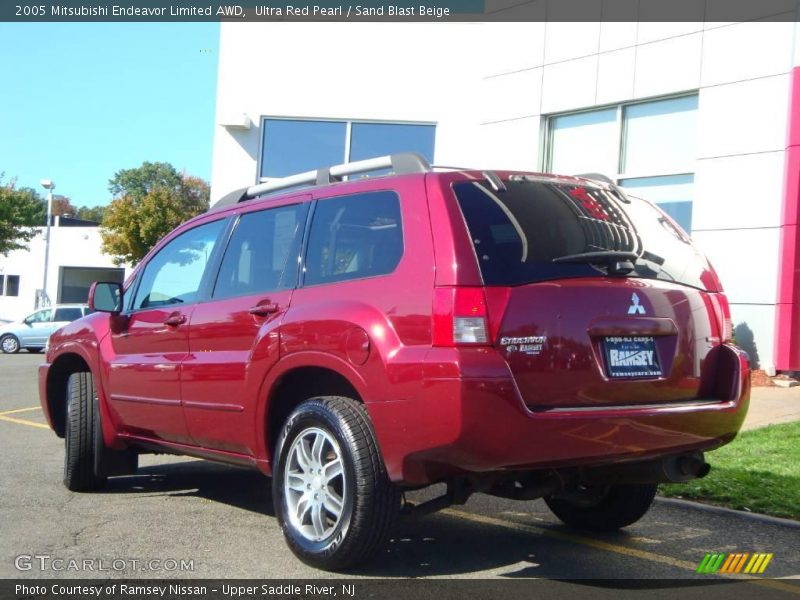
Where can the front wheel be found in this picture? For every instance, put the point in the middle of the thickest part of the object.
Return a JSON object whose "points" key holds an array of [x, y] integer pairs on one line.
{"points": [[9, 344], [332, 497], [82, 431], [603, 508]]}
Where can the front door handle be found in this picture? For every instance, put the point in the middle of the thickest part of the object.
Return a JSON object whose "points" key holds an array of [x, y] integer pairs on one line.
{"points": [[264, 309], [175, 319]]}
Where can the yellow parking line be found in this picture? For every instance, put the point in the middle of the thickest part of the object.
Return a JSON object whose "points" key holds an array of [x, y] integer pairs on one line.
{"points": [[571, 537], [608, 547], [19, 410], [23, 422]]}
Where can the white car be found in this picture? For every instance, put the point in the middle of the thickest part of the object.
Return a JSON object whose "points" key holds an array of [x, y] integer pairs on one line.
{"points": [[33, 331]]}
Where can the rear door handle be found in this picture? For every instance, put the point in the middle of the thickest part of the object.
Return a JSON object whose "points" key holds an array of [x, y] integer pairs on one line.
{"points": [[264, 309], [175, 319]]}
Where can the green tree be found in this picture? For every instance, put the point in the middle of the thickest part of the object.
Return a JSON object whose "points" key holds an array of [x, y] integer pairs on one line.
{"points": [[21, 209], [150, 201], [142, 180], [91, 213]]}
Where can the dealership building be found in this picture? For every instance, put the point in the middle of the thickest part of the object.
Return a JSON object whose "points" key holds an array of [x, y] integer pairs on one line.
{"points": [[702, 118], [74, 261]]}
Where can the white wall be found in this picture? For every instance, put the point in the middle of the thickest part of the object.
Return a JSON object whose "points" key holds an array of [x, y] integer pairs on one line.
{"points": [[489, 85], [381, 71], [69, 247]]}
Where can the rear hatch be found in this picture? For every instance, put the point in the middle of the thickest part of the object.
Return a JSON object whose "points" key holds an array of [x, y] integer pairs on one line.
{"points": [[595, 299]]}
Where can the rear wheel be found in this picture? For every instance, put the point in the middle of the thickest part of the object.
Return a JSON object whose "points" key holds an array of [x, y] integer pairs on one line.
{"points": [[82, 430], [332, 497], [9, 344], [603, 508]]}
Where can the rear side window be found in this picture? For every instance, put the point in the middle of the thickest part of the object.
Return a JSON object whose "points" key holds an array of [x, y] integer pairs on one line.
{"points": [[262, 254], [68, 314], [522, 235], [353, 237]]}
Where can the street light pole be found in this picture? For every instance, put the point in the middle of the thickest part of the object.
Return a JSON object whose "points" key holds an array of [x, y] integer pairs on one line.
{"points": [[49, 186]]}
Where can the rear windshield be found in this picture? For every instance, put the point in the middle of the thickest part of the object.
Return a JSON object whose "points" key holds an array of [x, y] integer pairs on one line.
{"points": [[536, 230]]}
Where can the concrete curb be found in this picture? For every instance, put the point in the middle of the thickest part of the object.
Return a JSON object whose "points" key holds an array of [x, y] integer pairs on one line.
{"points": [[721, 510]]}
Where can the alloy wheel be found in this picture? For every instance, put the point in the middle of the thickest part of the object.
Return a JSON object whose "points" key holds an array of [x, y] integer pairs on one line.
{"points": [[10, 345], [315, 485]]}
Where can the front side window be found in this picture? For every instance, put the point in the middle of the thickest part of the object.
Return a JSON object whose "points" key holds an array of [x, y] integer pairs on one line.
{"points": [[174, 275], [40, 316], [353, 237], [262, 253]]}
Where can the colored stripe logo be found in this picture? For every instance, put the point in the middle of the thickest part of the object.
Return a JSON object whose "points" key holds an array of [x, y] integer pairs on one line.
{"points": [[738, 562]]}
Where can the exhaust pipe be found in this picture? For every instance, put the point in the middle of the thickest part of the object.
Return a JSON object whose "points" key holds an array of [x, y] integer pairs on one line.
{"points": [[671, 469]]}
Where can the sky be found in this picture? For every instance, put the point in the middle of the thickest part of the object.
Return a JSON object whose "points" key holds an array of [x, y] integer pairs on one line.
{"points": [[80, 101]]}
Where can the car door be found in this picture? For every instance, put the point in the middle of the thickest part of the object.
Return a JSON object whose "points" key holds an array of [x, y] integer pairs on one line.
{"points": [[234, 338], [36, 328], [151, 339]]}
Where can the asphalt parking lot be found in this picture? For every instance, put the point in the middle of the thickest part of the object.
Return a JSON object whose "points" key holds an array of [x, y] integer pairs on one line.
{"points": [[219, 521]]}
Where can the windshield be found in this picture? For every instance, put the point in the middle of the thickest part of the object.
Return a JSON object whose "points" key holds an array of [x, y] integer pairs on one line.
{"points": [[539, 230]]}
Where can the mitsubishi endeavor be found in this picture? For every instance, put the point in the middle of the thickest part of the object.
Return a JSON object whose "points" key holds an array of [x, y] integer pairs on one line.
{"points": [[517, 334]]}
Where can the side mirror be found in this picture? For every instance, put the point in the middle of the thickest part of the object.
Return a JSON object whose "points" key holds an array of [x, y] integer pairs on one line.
{"points": [[105, 296]]}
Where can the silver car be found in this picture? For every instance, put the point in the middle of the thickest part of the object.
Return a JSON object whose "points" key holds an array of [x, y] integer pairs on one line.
{"points": [[33, 331]]}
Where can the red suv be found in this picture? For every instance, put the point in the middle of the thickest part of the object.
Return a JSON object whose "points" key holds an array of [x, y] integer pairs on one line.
{"points": [[517, 334]]}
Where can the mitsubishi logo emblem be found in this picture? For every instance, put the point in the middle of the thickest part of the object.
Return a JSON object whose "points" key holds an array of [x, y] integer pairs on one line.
{"points": [[635, 308]]}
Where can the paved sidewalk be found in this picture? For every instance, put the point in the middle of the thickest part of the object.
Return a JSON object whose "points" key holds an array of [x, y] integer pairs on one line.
{"points": [[771, 405]]}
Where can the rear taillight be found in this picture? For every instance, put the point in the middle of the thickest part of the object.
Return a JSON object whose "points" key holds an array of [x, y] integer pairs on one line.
{"points": [[460, 317], [722, 311]]}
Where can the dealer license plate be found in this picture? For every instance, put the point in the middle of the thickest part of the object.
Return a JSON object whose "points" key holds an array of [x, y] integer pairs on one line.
{"points": [[631, 356]]}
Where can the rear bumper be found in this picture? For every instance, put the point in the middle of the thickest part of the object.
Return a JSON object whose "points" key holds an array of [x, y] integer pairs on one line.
{"points": [[474, 424]]}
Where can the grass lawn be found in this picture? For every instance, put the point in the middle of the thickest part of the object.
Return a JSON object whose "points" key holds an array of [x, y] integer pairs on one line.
{"points": [[759, 471]]}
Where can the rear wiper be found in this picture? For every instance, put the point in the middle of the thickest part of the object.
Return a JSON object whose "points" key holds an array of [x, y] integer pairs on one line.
{"points": [[617, 262], [599, 256]]}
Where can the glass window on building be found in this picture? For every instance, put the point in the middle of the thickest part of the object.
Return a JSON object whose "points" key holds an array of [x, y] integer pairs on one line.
{"points": [[368, 140], [9, 285], [584, 143], [647, 147], [292, 146]]}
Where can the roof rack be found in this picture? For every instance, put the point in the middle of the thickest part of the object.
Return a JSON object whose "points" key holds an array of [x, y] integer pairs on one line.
{"points": [[401, 164]]}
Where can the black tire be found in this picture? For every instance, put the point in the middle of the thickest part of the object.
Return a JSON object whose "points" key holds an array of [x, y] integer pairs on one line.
{"points": [[9, 344], [82, 427], [370, 502], [603, 509]]}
